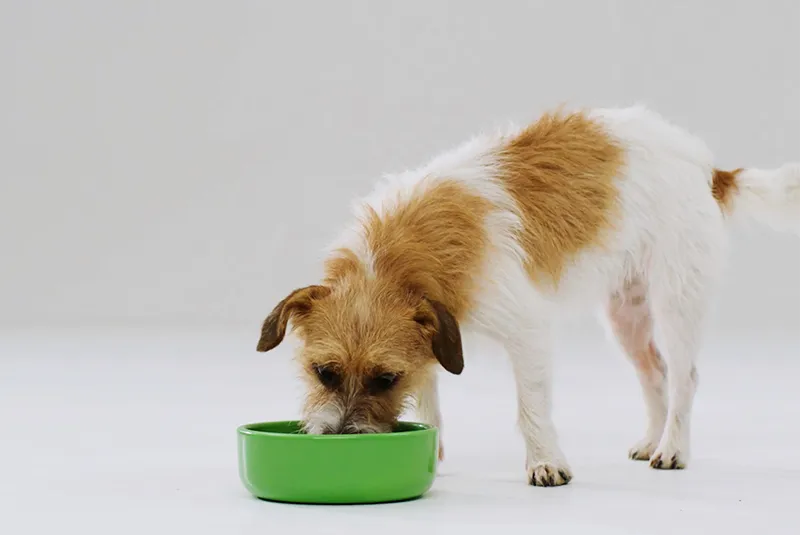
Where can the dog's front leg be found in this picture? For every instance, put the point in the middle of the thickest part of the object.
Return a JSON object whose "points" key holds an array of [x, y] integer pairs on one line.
{"points": [[428, 405], [530, 357]]}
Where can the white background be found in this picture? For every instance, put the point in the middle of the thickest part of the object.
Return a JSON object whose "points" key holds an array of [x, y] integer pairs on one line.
{"points": [[170, 169], [185, 161]]}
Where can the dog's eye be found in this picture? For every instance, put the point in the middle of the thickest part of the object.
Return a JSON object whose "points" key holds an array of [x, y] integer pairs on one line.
{"points": [[382, 382], [328, 376]]}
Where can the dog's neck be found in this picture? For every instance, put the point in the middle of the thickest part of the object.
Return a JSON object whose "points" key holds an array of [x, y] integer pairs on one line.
{"points": [[430, 241]]}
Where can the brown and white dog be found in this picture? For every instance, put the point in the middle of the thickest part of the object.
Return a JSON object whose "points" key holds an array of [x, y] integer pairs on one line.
{"points": [[610, 207]]}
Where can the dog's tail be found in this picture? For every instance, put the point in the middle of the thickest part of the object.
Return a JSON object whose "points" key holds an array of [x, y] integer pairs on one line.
{"points": [[770, 197]]}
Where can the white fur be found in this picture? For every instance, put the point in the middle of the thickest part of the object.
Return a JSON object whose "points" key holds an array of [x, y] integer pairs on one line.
{"points": [[771, 197], [331, 417], [671, 238], [428, 405], [324, 418]]}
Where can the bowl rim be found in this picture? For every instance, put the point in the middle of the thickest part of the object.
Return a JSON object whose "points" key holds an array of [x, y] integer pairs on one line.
{"points": [[246, 430]]}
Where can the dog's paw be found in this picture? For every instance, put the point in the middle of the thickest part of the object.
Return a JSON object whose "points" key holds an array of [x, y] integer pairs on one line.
{"points": [[642, 450], [668, 459], [549, 474]]}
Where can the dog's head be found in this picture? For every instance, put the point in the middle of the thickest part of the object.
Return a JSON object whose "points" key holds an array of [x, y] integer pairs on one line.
{"points": [[366, 349]]}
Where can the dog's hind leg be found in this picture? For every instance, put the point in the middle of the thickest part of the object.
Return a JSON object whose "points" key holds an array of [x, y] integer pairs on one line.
{"points": [[631, 321]]}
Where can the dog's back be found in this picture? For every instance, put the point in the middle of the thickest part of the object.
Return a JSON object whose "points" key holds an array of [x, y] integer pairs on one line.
{"points": [[579, 201]]}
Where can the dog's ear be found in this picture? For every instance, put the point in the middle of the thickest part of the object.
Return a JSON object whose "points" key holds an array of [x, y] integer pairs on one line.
{"points": [[296, 305], [445, 334]]}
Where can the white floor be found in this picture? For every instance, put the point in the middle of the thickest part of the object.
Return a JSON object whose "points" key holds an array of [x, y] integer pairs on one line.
{"points": [[133, 431]]}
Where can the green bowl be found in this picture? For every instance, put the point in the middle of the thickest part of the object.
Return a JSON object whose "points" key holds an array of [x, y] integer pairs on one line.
{"points": [[278, 462]]}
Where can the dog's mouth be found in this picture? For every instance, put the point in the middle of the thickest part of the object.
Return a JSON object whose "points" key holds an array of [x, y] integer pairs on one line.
{"points": [[360, 429], [349, 428], [342, 431]]}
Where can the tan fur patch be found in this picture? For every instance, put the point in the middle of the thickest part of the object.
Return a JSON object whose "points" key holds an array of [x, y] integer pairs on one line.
{"points": [[341, 264], [724, 187], [560, 170], [433, 244]]}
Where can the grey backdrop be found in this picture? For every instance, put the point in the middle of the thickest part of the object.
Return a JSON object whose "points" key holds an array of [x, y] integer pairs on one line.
{"points": [[183, 162]]}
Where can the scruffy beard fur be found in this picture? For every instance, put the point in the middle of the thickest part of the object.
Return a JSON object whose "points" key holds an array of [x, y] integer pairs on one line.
{"points": [[344, 413]]}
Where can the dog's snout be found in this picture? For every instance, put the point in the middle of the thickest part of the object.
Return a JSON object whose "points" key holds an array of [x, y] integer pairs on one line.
{"points": [[344, 428]]}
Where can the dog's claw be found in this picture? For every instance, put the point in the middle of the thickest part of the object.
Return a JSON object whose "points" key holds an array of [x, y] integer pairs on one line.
{"points": [[548, 475], [674, 462]]}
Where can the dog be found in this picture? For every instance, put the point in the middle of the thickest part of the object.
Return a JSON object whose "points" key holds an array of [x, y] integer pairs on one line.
{"points": [[616, 208]]}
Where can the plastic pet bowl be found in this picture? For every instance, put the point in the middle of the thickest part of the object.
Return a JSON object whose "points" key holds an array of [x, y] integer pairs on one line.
{"points": [[278, 462]]}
